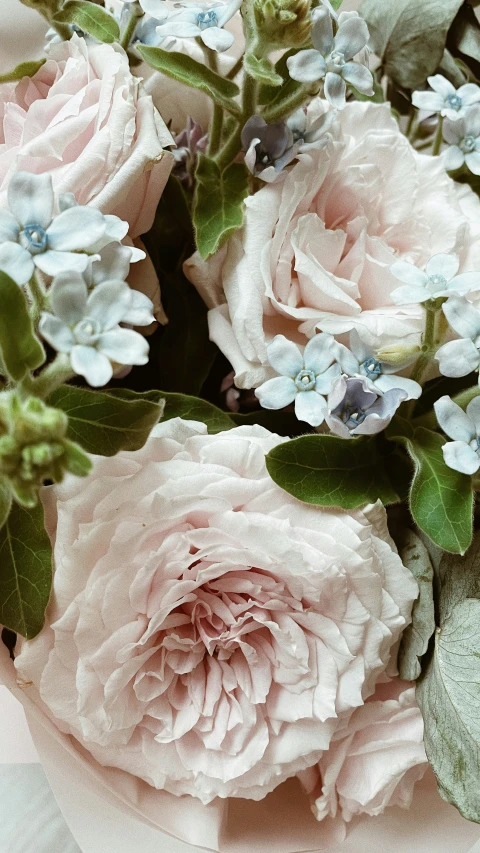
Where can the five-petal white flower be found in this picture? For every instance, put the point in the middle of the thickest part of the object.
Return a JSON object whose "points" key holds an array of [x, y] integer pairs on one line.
{"points": [[87, 327], [31, 236], [439, 279], [463, 137], [202, 20], [445, 99], [361, 360], [332, 57], [461, 357], [113, 266], [463, 453], [304, 378]]}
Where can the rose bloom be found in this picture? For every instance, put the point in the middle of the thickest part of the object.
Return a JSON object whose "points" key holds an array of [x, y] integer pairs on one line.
{"points": [[207, 632], [316, 247], [375, 759], [85, 119]]}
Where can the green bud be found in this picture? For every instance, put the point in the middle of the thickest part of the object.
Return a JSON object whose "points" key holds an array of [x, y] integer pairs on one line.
{"points": [[282, 23]]}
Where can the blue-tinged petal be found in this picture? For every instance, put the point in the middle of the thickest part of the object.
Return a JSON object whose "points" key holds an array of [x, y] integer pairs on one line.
{"points": [[322, 32], [429, 101], [325, 381], [30, 198], [453, 158], [124, 346], [114, 264], [336, 426], [349, 363], [386, 382], [53, 263], [458, 358], [440, 84], [352, 37], [444, 265], [76, 228], [466, 282], [9, 228], [472, 121], [409, 294], [306, 66], [277, 393], [318, 353], [359, 76], [462, 317], [140, 310], [179, 29], [469, 93], [230, 9], [335, 90], [310, 407], [56, 333], [453, 131], [473, 412], [453, 420], [68, 297], [409, 274], [157, 9], [461, 457], [217, 39], [473, 162], [93, 365], [16, 262], [108, 303], [284, 356]]}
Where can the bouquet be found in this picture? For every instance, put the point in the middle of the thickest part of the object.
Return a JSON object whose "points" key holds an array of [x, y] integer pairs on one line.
{"points": [[240, 405]]}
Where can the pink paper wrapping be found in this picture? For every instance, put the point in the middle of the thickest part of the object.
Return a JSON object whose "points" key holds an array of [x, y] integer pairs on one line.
{"points": [[106, 809]]}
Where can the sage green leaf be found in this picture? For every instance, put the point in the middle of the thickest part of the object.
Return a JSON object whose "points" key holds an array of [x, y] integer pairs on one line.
{"points": [[90, 18], [25, 69], [20, 348], [452, 69], [25, 571], [184, 69], [105, 422], [459, 577], [409, 37], [5, 500], [262, 70], [336, 4], [218, 207], [417, 635], [330, 471], [449, 696], [194, 409], [465, 33]]}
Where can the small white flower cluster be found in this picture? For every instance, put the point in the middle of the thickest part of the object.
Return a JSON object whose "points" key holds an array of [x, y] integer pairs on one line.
{"points": [[461, 129], [79, 249]]}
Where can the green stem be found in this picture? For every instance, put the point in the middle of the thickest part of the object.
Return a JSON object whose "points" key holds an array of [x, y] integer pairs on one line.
{"points": [[236, 69], [39, 296], [428, 346], [231, 149], [437, 142], [411, 121], [55, 374], [233, 144], [218, 114], [136, 12], [63, 30], [288, 105], [249, 98]]}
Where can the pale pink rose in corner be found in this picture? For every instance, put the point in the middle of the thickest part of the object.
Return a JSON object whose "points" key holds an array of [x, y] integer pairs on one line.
{"points": [[315, 250], [207, 632], [375, 759], [85, 119]]}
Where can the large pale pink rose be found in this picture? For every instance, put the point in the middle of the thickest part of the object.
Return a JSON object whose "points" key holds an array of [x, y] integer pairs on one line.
{"points": [[207, 632], [85, 119], [315, 250], [375, 760]]}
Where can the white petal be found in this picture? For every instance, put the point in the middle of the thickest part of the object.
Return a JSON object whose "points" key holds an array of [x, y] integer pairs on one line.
{"points": [[453, 131], [440, 84], [93, 365], [461, 457], [179, 29], [68, 297], [16, 262], [114, 263], [158, 9], [409, 274], [347, 360], [359, 76], [276, 393], [53, 263], [217, 39], [284, 356], [472, 121], [352, 36], [9, 229], [466, 282], [458, 358], [310, 407], [322, 32], [462, 317], [473, 162], [109, 303], [453, 158], [335, 90], [444, 265], [306, 66], [453, 420], [76, 228], [318, 353], [140, 310], [386, 382], [408, 295], [469, 93], [325, 381], [429, 101], [56, 333], [30, 198], [124, 346], [473, 412]]}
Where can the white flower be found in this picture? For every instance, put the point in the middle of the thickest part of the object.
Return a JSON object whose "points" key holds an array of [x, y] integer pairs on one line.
{"points": [[113, 266], [331, 57], [33, 237], [303, 378], [463, 137], [459, 358], [202, 20], [86, 327], [463, 453], [445, 99], [310, 134], [355, 409], [362, 360], [439, 279]]}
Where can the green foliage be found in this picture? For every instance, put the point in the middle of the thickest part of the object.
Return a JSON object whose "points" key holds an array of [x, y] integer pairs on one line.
{"points": [[5, 500], [20, 348], [329, 471], [184, 69], [262, 70], [105, 422], [25, 571], [192, 408], [218, 208], [25, 69], [416, 637], [90, 18]]}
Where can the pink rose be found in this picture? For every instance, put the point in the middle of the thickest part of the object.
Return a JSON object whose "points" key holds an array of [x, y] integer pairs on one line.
{"points": [[85, 119], [374, 760], [207, 632], [317, 244]]}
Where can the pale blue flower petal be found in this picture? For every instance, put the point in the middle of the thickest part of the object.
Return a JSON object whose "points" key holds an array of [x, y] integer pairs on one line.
{"points": [[306, 66], [473, 412], [337, 427], [325, 381], [284, 356], [428, 101], [76, 228], [466, 282], [157, 9], [277, 393], [92, 364], [310, 407], [114, 264], [409, 274], [349, 363], [16, 262], [444, 265], [359, 76], [322, 32], [473, 162], [469, 93], [453, 420], [472, 121], [453, 158], [56, 333], [30, 198], [386, 382], [458, 358], [68, 297], [217, 39], [440, 84], [352, 36], [53, 263], [140, 310], [124, 346], [179, 28], [318, 353], [9, 229], [461, 457], [453, 131], [462, 317], [335, 90], [108, 303], [409, 294]]}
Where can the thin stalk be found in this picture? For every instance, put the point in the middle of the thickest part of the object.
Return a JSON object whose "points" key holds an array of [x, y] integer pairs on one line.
{"points": [[231, 149], [63, 30], [236, 69], [216, 128], [38, 293], [135, 13], [55, 374], [287, 106], [428, 346], [234, 143], [437, 142], [411, 122]]}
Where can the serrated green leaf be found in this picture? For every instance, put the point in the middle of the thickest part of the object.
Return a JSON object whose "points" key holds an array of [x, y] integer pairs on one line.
{"points": [[184, 69], [25, 571], [262, 70], [106, 422], [25, 69], [20, 348], [416, 636], [90, 18], [218, 208], [329, 471], [194, 409]]}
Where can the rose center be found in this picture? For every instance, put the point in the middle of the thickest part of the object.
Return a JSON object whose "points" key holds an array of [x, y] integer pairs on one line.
{"points": [[468, 144], [372, 368], [35, 238], [207, 19], [305, 380], [454, 101], [87, 331]]}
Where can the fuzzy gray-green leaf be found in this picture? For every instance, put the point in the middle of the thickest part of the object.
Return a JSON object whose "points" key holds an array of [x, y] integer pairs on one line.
{"points": [[219, 203], [416, 637]]}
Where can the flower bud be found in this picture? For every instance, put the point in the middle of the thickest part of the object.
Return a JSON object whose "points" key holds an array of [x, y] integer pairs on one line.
{"points": [[398, 353], [282, 23]]}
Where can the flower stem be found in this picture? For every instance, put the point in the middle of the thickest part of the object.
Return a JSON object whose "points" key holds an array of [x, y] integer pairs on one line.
{"points": [[55, 374], [218, 114], [428, 346], [38, 293], [234, 143], [236, 69], [288, 105], [135, 13], [437, 142]]}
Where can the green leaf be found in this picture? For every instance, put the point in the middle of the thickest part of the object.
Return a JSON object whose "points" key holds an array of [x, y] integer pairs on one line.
{"points": [[20, 348], [441, 499], [283, 423], [409, 37], [262, 70], [25, 571], [5, 500], [219, 197], [459, 577], [106, 422], [184, 69], [329, 471], [25, 69], [416, 637], [194, 409], [336, 4], [90, 18], [465, 33], [449, 697]]}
